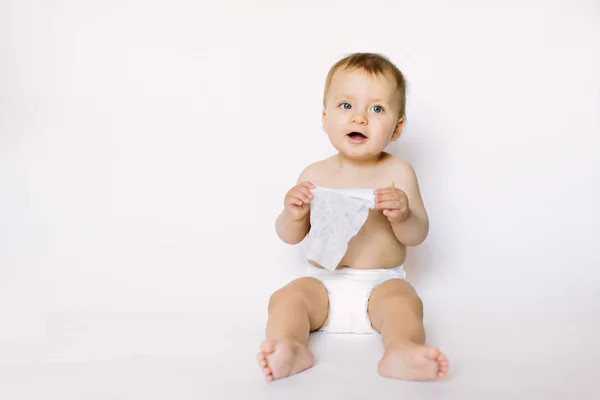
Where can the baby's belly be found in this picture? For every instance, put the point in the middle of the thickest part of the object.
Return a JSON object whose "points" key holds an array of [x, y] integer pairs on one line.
{"points": [[373, 247], [370, 255]]}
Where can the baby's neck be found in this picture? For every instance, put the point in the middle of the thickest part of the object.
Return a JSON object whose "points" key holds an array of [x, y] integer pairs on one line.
{"points": [[351, 164]]}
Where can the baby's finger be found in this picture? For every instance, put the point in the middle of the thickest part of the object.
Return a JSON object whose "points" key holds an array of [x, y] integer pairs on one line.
{"points": [[294, 200], [303, 192], [307, 184], [300, 196], [386, 190], [390, 205], [394, 196], [392, 213]]}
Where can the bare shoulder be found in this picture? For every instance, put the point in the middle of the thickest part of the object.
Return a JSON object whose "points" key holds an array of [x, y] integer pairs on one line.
{"points": [[315, 171], [399, 168]]}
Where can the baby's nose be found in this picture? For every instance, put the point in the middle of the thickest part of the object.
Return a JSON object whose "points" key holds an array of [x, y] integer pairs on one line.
{"points": [[360, 118]]}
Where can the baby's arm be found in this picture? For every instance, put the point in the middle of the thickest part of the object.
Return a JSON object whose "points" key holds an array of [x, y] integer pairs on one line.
{"points": [[413, 230], [293, 223], [291, 231]]}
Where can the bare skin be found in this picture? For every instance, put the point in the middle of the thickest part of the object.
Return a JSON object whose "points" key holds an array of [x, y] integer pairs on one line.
{"points": [[398, 220], [294, 310], [396, 311]]}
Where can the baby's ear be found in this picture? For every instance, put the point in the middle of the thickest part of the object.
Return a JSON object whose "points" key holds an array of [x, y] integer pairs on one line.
{"points": [[398, 129]]}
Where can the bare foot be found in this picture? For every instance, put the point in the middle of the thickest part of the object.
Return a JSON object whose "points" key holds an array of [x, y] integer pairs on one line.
{"points": [[283, 358], [413, 362]]}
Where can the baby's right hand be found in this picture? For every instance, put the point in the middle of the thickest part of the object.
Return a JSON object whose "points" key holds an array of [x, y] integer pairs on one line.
{"points": [[297, 200]]}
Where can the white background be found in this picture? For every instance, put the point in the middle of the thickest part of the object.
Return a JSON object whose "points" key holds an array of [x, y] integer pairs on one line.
{"points": [[145, 149]]}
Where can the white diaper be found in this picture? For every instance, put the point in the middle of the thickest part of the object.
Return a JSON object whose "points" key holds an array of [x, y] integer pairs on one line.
{"points": [[349, 291]]}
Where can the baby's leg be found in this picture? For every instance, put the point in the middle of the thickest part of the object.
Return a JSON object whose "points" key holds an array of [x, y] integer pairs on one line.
{"points": [[396, 311], [294, 311]]}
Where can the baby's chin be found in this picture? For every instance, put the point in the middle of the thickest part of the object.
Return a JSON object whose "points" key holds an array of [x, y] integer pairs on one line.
{"points": [[359, 154]]}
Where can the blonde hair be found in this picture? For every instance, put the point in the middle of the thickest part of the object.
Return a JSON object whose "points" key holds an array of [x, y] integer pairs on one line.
{"points": [[373, 64]]}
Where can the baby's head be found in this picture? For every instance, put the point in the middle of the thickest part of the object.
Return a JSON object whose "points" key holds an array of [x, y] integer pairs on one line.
{"points": [[363, 104]]}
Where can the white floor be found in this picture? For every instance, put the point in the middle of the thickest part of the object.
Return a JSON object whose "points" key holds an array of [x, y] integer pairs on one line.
{"points": [[174, 357]]}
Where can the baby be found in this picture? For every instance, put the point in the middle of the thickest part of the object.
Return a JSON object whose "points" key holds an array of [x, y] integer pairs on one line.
{"points": [[365, 291]]}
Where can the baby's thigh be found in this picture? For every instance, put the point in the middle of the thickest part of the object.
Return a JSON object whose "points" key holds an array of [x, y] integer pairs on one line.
{"points": [[392, 297], [308, 292]]}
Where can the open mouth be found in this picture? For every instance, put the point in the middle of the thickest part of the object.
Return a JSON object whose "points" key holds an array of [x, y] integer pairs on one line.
{"points": [[356, 137]]}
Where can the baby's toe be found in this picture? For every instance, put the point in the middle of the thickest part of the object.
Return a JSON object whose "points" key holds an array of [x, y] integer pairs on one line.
{"points": [[442, 371], [267, 346], [261, 359], [268, 374], [432, 353]]}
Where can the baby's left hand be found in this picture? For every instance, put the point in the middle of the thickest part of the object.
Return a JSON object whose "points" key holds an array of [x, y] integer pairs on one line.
{"points": [[393, 202]]}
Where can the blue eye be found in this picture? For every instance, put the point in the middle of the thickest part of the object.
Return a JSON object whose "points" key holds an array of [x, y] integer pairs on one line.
{"points": [[345, 106], [378, 109]]}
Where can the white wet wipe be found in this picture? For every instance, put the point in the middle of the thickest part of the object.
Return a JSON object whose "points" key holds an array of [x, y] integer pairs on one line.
{"points": [[336, 215]]}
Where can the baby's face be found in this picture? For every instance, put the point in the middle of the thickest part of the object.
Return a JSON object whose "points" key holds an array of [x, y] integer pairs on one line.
{"points": [[361, 114]]}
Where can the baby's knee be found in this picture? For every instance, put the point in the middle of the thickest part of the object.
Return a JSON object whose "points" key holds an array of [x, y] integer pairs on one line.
{"points": [[397, 294], [293, 293]]}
